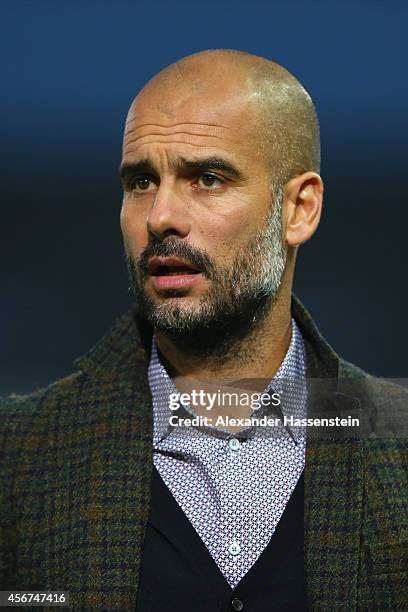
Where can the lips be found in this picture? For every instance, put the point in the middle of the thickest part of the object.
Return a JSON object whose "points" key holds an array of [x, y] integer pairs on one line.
{"points": [[170, 266], [173, 274]]}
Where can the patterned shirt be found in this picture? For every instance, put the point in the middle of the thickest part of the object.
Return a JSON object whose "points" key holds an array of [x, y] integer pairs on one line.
{"points": [[233, 488]]}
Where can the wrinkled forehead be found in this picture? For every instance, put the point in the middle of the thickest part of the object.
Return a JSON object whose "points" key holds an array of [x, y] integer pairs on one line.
{"points": [[198, 112]]}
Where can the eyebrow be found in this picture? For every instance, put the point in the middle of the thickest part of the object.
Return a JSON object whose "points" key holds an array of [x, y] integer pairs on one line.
{"points": [[145, 166], [206, 164]]}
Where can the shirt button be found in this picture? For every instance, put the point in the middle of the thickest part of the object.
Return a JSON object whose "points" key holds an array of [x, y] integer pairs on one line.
{"points": [[234, 549], [237, 604], [234, 444]]}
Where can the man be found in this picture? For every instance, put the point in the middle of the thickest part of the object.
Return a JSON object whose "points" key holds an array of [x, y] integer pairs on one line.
{"points": [[108, 497]]}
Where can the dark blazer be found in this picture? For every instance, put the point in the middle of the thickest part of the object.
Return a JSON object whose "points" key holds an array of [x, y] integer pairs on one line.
{"points": [[76, 462]]}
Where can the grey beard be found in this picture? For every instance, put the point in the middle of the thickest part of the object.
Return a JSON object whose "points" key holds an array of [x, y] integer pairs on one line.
{"points": [[239, 298]]}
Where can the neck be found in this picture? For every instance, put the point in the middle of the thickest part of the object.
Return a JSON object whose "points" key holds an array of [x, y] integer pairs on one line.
{"points": [[256, 356]]}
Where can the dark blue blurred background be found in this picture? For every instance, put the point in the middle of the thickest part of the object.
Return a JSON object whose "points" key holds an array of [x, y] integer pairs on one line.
{"points": [[69, 72]]}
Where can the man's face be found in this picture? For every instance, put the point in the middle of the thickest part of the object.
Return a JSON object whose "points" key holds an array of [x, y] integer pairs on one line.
{"points": [[202, 234]]}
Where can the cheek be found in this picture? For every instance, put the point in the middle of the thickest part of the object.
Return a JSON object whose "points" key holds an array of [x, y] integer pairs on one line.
{"points": [[240, 213], [227, 232], [134, 231]]}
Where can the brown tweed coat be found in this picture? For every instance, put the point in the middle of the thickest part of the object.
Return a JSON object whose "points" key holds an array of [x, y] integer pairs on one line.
{"points": [[75, 466]]}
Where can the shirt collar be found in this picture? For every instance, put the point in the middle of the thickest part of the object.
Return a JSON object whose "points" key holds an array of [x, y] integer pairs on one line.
{"points": [[288, 381]]}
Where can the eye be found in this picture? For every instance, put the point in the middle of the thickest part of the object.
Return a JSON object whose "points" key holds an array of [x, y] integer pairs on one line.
{"points": [[141, 184], [210, 181]]}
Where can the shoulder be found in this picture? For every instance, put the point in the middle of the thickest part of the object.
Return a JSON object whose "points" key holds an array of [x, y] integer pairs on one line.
{"points": [[70, 409], [384, 438], [21, 416], [384, 412], [379, 390], [28, 429], [16, 403], [383, 445]]}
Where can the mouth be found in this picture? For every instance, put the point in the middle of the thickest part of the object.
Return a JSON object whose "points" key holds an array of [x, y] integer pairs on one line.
{"points": [[172, 273], [168, 266]]}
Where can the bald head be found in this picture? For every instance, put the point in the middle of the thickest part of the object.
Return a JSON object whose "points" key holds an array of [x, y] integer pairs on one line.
{"points": [[282, 118]]}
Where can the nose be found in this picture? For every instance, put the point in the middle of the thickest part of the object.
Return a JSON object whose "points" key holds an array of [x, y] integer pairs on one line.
{"points": [[168, 214]]}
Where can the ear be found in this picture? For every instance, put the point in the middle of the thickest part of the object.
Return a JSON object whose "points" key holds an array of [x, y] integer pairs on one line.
{"points": [[303, 200]]}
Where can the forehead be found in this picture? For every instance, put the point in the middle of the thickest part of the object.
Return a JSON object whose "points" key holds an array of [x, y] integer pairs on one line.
{"points": [[193, 121]]}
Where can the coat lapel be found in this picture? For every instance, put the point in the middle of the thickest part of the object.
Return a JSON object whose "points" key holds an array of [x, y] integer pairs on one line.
{"points": [[118, 500], [333, 484]]}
